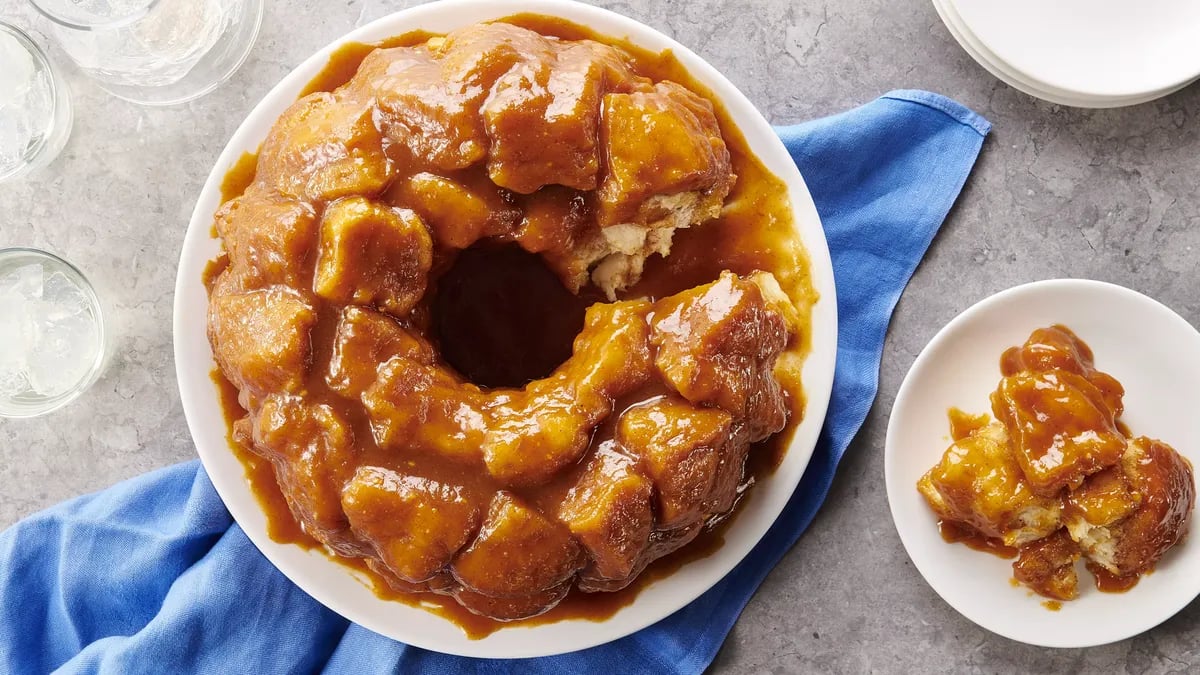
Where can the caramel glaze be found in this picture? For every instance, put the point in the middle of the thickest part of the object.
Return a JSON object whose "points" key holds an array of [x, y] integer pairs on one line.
{"points": [[239, 177], [960, 533], [962, 424], [1111, 583], [755, 232]]}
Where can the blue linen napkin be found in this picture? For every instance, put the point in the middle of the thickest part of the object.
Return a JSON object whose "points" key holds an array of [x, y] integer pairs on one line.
{"points": [[153, 575]]}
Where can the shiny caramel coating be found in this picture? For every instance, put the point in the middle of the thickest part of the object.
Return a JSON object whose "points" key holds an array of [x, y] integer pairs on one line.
{"points": [[261, 338], [980, 483], [552, 103], [680, 448], [1059, 348], [637, 127], [458, 213], [609, 511], [269, 238], [1164, 480], [518, 552], [420, 408], [670, 468], [716, 344], [415, 524], [1047, 566], [323, 147], [1062, 428], [1104, 498], [365, 339], [314, 454], [662, 543], [511, 608], [534, 112], [372, 254], [547, 425]]}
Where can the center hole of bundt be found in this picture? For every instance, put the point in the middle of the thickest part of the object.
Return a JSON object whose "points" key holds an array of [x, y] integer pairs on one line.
{"points": [[503, 319]]}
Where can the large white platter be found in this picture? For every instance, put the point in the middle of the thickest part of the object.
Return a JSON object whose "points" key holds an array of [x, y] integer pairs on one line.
{"points": [[331, 583]]}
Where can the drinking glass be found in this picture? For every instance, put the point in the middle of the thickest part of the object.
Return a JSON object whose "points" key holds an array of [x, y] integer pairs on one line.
{"points": [[35, 106], [52, 330], [155, 52]]}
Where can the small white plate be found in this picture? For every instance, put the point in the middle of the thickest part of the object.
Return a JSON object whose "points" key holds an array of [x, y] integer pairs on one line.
{"points": [[1019, 81], [1150, 349], [1094, 48]]}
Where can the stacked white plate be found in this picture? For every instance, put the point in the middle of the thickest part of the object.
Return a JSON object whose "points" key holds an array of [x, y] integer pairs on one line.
{"points": [[1082, 53]]}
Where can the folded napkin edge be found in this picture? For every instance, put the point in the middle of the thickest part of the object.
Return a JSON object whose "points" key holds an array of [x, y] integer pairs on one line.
{"points": [[955, 110]]}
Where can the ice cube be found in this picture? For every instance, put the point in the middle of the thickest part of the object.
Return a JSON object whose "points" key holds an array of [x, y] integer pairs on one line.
{"points": [[25, 281], [13, 383], [65, 349], [16, 70], [62, 298], [16, 336], [15, 333]]}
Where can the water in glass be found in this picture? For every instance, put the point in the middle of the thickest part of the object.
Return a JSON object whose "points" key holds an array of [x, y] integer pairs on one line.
{"points": [[35, 108]]}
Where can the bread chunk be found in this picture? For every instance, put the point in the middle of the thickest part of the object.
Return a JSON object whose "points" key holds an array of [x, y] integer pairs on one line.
{"points": [[667, 169], [680, 447], [323, 147], [415, 407], [511, 608], [269, 238], [458, 214], [1164, 493], [415, 524], [717, 345], [364, 341], [608, 510], [518, 552], [432, 121], [547, 426], [1061, 428], [1058, 348], [371, 254], [1048, 566], [261, 338], [980, 483], [661, 143], [543, 117], [662, 543], [314, 454]]}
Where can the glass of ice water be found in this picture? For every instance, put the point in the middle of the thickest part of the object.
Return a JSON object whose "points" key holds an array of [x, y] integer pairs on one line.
{"points": [[35, 106], [54, 344], [155, 52]]}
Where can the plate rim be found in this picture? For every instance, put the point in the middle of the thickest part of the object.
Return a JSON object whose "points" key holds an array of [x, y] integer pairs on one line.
{"points": [[194, 385]]}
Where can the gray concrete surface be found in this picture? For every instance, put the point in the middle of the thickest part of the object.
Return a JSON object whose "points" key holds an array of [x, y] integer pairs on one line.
{"points": [[1058, 192]]}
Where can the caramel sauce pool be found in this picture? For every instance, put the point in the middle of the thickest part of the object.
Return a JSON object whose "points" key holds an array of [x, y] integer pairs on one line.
{"points": [[756, 235], [1108, 582], [953, 532]]}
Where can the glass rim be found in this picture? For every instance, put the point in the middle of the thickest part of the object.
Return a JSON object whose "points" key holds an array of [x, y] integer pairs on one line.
{"points": [[75, 23], [97, 367], [43, 60]]}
